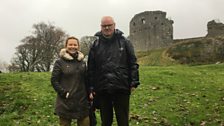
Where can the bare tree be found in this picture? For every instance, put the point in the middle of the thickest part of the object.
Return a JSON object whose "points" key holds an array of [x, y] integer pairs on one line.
{"points": [[28, 54], [13, 68], [86, 43], [3, 66], [51, 39], [39, 50]]}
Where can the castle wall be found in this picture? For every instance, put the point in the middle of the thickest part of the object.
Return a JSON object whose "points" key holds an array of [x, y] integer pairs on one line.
{"points": [[215, 28], [151, 30]]}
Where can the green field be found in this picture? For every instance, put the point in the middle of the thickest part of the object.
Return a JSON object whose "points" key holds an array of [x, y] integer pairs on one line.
{"points": [[175, 95]]}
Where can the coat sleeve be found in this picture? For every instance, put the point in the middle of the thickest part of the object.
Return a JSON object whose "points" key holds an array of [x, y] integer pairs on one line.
{"points": [[86, 79], [55, 79], [91, 69], [133, 66]]}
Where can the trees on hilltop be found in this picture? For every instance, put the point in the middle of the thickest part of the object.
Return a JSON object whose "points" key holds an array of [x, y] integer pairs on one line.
{"points": [[37, 52]]}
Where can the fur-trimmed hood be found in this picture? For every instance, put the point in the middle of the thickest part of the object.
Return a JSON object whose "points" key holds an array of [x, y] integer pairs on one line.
{"points": [[64, 54]]}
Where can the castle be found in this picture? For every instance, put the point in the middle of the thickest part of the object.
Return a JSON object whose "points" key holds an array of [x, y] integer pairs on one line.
{"points": [[215, 28], [150, 30]]}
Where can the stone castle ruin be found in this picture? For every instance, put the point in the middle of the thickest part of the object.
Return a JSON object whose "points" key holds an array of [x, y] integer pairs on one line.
{"points": [[215, 28], [151, 30]]}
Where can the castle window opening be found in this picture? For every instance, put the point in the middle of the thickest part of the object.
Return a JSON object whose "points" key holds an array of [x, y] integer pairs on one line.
{"points": [[143, 21], [133, 23]]}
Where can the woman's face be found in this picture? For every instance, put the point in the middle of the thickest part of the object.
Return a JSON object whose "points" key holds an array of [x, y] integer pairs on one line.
{"points": [[72, 46]]}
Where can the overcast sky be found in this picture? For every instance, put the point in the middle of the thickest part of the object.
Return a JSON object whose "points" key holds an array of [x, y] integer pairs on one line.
{"points": [[82, 17]]}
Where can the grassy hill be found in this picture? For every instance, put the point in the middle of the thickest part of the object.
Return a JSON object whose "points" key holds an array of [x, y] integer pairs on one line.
{"points": [[205, 50], [154, 58], [194, 51], [168, 95]]}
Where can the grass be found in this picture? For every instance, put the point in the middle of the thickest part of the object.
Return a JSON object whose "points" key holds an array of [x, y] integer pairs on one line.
{"points": [[26, 99], [154, 58], [177, 95]]}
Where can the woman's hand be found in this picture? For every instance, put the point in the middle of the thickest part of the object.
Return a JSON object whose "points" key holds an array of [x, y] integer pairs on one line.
{"points": [[91, 95]]}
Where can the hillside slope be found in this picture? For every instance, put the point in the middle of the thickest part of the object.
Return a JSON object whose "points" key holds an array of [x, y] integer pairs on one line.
{"points": [[154, 58], [202, 50], [198, 51], [175, 95]]}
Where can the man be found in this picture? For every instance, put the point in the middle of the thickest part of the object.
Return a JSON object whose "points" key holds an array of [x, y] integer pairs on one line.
{"points": [[113, 72]]}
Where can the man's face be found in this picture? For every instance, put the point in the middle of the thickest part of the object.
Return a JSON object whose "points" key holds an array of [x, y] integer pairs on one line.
{"points": [[107, 26]]}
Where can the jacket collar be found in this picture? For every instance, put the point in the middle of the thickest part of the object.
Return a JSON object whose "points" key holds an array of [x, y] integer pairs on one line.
{"points": [[63, 54]]}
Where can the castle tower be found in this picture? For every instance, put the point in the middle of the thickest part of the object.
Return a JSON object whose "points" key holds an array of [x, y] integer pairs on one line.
{"points": [[215, 28], [151, 30]]}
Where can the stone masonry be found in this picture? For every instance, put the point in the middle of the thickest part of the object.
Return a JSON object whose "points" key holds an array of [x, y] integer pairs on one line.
{"points": [[215, 28], [151, 30]]}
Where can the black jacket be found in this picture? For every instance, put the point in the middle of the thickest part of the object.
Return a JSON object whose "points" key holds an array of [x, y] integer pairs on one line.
{"points": [[112, 64]]}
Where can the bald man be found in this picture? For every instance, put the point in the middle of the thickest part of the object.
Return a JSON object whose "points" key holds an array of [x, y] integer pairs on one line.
{"points": [[113, 72]]}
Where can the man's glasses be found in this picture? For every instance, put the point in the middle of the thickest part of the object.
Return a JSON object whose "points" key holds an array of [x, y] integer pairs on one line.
{"points": [[107, 26]]}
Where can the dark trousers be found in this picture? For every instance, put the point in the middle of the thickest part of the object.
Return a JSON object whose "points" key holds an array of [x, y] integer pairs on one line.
{"points": [[92, 116], [117, 101]]}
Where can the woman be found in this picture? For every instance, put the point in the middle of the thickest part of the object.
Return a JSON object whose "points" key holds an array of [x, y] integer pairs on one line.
{"points": [[68, 80]]}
